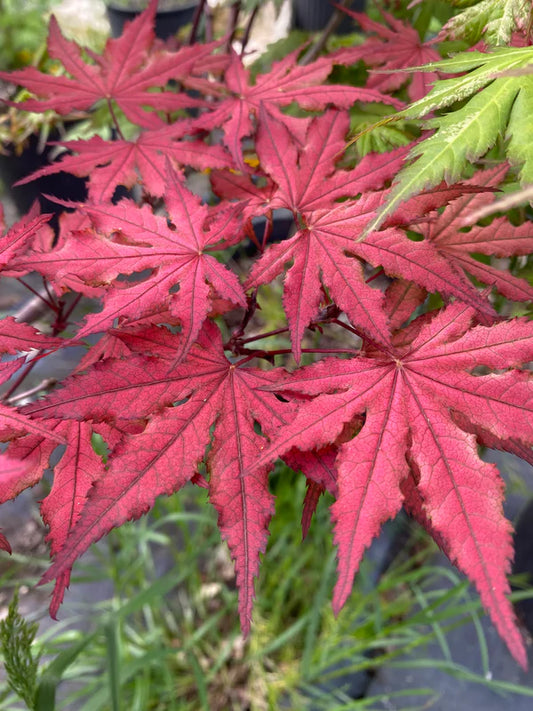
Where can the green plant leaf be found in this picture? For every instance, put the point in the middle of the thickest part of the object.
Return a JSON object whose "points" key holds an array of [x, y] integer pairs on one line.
{"points": [[492, 20], [499, 107], [20, 663]]}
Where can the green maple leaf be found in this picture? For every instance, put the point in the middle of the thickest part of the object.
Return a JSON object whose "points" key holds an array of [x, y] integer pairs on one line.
{"points": [[498, 92], [493, 20]]}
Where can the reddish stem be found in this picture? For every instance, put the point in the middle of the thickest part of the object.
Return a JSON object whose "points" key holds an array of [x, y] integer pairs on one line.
{"points": [[264, 335], [25, 372], [38, 294], [115, 120], [375, 276], [248, 29], [232, 23], [196, 22], [269, 355]]}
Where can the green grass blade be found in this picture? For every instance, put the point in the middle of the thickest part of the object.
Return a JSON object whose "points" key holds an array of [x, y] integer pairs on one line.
{"points": [[113, 660]]}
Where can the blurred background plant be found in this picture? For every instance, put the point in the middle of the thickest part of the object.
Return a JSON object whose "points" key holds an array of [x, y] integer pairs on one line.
{"points": [[168, 637]]}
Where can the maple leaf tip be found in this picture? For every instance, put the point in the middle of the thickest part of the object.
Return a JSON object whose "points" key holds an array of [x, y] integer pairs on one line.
{"points": [[4, 544]]}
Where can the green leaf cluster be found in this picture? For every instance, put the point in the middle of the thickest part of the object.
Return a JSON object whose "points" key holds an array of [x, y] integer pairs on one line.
{"points": [[491, 20], [21, 665], [491, 101]]}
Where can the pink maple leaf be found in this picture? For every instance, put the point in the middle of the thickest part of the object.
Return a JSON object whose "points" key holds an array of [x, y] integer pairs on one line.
{"points": [[239, 101], [409, 439], [164, 455], [121, 162], [396, 46], [124, 73]]}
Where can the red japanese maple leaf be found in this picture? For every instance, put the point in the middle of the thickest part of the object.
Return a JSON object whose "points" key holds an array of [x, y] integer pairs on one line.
{"points": [[164, 456], [324, 251], [176, 254], [18, 337], [307, 176], [124, 73], [501, 238], [239, 101], [121, 162], [396, 46], [15, 474], [412, 449], [16, 239]]}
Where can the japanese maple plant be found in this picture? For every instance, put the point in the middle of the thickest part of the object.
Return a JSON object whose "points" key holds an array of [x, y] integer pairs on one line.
{"points": [[401, 359]]}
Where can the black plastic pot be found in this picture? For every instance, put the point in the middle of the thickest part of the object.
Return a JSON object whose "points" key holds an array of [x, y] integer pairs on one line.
{"points": [[167, 21], [523, 561], [314, 15], [282, 225], [14, 167]]}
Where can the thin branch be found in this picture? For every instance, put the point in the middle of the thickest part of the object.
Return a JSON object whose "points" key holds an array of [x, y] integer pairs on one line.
{"points": [[268, 334], [520, 197], [196, 22], [319, 44], [25, 372], [43, 386], [248, 29], [232, 23], [114, 119], [36, 307]]}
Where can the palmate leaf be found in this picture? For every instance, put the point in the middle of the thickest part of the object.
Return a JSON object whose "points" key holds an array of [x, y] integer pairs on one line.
{"points": [[16, 239], [410, 440], [499, 107], [163, 457], [120, 162], [307, 177], [74, 475], [177, 253], [500, 238], [493, 20], [239, 101], [327, 250], [14, 424], [393, 45], [124, 73]]}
